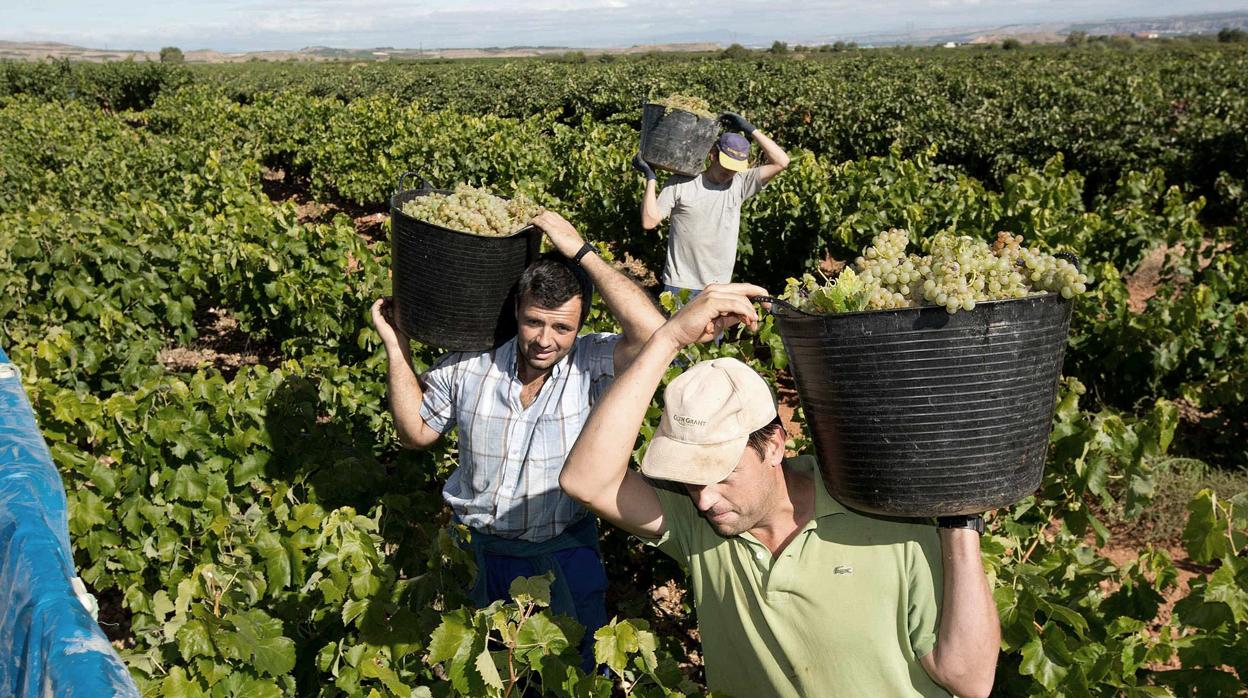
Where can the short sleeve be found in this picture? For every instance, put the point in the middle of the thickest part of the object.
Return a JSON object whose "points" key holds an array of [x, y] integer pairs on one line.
{"points": [[595, 356], [678, 516], [751, 182], [924, 577], [439, 384], [667, 200]]}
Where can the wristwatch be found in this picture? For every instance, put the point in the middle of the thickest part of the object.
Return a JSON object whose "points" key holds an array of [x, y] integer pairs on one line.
{"points": [[975, 522], [585, 249]]}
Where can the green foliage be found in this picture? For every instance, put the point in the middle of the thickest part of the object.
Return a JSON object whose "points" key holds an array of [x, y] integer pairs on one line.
{"points": [[114, 86], [509, 648], [847, 294], [1177, 107]]}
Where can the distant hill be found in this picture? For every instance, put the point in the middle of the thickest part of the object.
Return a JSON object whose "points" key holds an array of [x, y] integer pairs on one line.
{"points": [[1148, 28], [47, 50], [1052, 32]]}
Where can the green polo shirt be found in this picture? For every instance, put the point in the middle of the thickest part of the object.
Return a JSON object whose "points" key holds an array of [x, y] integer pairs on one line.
{"points": [[846, 609]]}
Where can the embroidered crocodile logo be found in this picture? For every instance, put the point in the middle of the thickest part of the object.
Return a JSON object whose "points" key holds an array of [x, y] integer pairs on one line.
{"points": [[843, 569]]}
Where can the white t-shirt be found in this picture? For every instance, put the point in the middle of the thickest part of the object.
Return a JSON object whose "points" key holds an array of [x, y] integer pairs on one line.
{"points": [[706, 218]]}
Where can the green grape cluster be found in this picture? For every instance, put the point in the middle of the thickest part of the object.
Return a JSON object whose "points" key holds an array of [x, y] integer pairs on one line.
{"points": [[958, 272], [475, 211], [694, 105], [885, 267], [1004, 277], [1053, 274]]}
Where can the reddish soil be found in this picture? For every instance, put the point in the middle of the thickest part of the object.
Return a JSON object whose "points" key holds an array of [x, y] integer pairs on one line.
{"points": [[1124, 548], [634, 269], [220, 344], [831, 266], [1192, 414], [667, 606], [114, 618], [1142, 284], [282, 188], [786, 395], [1152, 270]]}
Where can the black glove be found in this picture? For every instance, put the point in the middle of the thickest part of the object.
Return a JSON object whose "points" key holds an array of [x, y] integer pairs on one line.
{"points": [[736, 122], [643, 167]]}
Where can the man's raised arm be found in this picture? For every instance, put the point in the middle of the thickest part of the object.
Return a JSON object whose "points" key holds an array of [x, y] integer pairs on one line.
{"points": [[403, 386], [651, 214], [596, 472], [777, 159], [629, 304]]}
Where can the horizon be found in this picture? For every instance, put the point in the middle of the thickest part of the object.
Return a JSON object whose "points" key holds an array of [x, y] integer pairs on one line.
{"points": [[235, 26]]}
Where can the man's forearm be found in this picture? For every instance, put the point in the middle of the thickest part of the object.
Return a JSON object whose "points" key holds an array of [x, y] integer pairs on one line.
{"points": [[969, 637], [629, 304], [775, 154], [650, 206], [406, 396]]}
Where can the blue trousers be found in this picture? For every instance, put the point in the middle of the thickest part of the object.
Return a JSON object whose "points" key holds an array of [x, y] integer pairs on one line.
{"points": [[586, 577]]}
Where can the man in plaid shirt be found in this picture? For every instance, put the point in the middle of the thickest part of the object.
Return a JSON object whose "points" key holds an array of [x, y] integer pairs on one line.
{"points": [[519, 409]]}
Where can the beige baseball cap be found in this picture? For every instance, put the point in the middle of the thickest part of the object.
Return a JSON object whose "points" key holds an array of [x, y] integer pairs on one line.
{"points": [[709, 413]]}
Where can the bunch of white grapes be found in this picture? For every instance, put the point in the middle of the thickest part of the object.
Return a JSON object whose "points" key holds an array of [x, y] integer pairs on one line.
{"points": [[693, 105], [474, 211], [960, 271], [885, 266]]}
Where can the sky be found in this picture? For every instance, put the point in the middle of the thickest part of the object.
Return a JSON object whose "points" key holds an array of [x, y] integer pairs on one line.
{"points": [[248, 25]]}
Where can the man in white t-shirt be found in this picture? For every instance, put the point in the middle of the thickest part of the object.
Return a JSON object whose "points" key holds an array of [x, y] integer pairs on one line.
{"points": [[706, 209]]}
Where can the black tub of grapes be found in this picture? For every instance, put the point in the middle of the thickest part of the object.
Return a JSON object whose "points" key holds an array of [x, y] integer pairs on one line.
{"points": [[456, 257], [942, 408], [677, 134]]}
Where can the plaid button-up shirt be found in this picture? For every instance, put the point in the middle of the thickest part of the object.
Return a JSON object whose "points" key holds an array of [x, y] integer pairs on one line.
{"points": [[507, 482]]}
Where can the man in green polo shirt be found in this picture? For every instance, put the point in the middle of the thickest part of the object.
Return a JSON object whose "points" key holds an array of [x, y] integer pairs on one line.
{"points": [[795, 594]]}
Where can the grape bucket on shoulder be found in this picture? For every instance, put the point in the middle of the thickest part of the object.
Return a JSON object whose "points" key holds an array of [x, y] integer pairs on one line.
{"points": [[916, 412], [929, 410], [452, 289], [677, 134]]}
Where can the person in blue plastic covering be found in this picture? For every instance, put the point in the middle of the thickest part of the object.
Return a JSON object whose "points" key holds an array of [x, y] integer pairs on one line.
{"points": [[519, 409], [705, 210]]}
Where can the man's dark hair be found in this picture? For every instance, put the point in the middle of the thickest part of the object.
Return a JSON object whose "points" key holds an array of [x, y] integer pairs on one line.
{"points": [[554, 280], [761, 437]]}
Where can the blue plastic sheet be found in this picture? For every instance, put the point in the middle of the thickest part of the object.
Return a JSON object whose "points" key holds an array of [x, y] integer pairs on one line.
{"points": [[49, 643]]}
